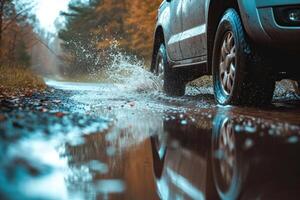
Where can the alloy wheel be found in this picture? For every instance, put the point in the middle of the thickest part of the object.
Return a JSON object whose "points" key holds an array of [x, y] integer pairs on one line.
{"points": [[227, 63]]}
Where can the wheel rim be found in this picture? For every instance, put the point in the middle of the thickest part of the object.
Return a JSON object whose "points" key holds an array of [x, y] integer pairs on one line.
{"points": [[160, 72], [227, 63], [226, 144]]}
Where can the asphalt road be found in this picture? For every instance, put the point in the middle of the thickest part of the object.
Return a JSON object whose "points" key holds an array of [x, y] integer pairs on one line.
{"points": [[109, 141]]}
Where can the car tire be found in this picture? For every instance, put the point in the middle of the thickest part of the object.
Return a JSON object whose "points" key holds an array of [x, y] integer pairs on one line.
{"points": [[240, 75], [298, 88], [173, 85]]}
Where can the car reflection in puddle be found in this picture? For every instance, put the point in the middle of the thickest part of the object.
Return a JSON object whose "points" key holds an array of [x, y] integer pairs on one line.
{"points": [[228, 156]]}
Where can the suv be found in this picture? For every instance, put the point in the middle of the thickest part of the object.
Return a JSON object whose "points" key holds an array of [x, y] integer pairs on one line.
{"points": [[247, 45]]}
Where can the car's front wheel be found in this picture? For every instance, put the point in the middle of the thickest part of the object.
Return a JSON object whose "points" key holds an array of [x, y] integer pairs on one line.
{"points": [[241, 76], [173, 85]]}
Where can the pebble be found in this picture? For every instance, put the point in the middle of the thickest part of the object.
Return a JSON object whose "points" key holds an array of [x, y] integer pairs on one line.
{"points": [[59, 114], [132, 104], [56, 101], [2, 118]]}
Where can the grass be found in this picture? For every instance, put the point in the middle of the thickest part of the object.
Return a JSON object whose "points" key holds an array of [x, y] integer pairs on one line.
{"points": [[15, 81]]}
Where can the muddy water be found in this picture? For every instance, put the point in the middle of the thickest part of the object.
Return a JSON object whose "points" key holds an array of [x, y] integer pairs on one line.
{"points": [[158, 147]]}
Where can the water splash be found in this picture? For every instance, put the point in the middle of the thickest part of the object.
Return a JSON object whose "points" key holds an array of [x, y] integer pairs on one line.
{"points": [[109, 64], [128, 72]]}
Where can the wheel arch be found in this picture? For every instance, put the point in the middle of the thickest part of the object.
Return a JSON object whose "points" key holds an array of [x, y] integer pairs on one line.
{"points": [[215, 11], [159, 38]]}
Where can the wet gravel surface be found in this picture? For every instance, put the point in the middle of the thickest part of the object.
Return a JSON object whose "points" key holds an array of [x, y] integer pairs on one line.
{"points": [[31, 125], [85, 141], [49, 113]]}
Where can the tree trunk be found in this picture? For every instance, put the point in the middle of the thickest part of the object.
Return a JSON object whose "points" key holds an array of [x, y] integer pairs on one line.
{"points": [[12, 51]]}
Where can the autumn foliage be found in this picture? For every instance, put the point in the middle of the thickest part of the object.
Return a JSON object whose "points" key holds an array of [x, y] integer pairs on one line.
{"points": [[16, 34], [16, 41], [91, 28]]}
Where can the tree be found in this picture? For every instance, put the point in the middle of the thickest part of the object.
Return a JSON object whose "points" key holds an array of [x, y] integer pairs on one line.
{"points": [[110, 18], [14, 31], [79, 50], [3, 8], [92, 27], [140, 23]]}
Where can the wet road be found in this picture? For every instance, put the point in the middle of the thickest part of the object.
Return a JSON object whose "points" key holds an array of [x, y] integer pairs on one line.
{"points": [[136, 143]]}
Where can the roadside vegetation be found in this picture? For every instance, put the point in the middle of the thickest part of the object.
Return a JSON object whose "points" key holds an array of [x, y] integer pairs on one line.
{"points": [[19, 81], [17, 39]]}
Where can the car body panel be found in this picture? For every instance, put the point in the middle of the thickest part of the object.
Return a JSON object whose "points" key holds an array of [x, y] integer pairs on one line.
{"points": [[175, 54], [173, 15], [193, 38], [282, 36], [251, 21], [185, 27], [268, 3], [260, 24]]}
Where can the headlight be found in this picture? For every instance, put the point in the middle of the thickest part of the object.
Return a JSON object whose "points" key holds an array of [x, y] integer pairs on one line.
{"points": [[294, 15]]}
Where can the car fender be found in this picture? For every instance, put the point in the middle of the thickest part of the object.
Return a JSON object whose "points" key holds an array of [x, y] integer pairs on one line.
{"points": [[251, 21], [163, 21]]}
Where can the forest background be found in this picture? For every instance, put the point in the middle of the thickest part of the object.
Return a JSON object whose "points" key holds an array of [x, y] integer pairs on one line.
{"points": [[85, 38], [93, 29]]}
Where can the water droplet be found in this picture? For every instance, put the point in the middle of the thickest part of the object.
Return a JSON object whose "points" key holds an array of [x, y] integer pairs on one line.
{"points": [[183, 122], [96, 165], [248, 143], [293, 139], [110, 186], [250, 129], [110, 151]]}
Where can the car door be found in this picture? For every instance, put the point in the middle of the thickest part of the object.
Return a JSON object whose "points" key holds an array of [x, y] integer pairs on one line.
{"points": [[175, 30], [193, 38]]}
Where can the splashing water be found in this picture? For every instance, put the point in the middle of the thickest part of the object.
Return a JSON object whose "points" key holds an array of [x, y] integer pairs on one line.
{"points": [[118, 80], [111, 64], [127, 83], [131, 73]]}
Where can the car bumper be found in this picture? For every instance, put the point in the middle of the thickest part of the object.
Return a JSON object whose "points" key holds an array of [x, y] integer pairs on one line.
{"points": [[258, 17]]}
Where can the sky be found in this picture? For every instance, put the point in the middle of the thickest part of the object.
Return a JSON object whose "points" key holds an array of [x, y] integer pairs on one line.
{"points": [[47, 11]]}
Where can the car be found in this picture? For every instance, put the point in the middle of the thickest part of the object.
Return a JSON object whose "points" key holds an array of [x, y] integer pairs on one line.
{"points": [[245, 45]]}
